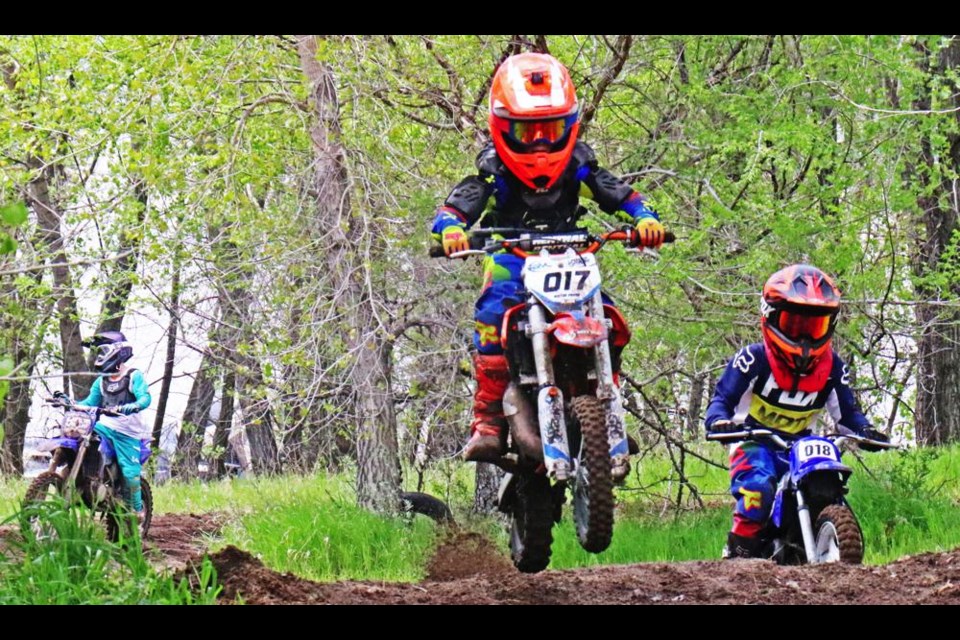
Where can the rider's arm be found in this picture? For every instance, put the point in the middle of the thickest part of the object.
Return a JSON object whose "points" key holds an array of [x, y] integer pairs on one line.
{"points": [[468, 200], [140, 390], [94, 398], [611, 193], [842, 404], [740, 372]]}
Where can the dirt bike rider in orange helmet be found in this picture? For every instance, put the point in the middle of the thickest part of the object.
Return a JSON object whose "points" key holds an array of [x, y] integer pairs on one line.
{"points": [[783, 384], [531, 176]]}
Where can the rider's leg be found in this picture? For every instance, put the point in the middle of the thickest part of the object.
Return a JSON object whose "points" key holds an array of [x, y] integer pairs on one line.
{"points": [[127, 449], [501, 287], [753, 480]]}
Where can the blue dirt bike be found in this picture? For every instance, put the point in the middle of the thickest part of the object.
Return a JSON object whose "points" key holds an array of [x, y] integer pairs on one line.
{"points": [[85, 465], [811, 521]]}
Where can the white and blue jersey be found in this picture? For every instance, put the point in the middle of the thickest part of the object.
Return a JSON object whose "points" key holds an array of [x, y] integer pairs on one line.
{"points": [[747, 393]]}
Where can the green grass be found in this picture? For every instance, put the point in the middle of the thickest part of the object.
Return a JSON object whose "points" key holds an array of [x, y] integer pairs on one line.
{"points": [[698, 536], [907, 501], [11, 493], [71, 562], [335, 540], [308, 525]]}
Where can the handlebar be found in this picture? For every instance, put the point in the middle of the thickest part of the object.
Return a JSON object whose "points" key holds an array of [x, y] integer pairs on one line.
{"points": [[530, 242], [68, 403], [748, 433]]}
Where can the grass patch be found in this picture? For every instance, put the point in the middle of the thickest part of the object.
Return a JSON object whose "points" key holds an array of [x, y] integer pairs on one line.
{"points": [[69, 561]]}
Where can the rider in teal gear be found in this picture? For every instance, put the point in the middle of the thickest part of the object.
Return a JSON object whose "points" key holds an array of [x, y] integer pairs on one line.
{"points": [[124, 390]]}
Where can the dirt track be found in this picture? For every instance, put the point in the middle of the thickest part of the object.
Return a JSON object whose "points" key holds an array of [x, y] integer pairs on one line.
{"points": [[468, 570]]}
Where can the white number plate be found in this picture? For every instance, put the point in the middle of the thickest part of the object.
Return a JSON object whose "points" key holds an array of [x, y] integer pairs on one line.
{"points": [[562, 280], [815, 449]]}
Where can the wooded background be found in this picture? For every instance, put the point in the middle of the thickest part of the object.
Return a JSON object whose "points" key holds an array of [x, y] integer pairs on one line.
{"points": [[268, 200]]}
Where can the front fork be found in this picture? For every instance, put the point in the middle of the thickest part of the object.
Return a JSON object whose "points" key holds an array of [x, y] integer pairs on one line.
{"points": [[550, 403], [806, 527], [609, 395], [553, 426]]}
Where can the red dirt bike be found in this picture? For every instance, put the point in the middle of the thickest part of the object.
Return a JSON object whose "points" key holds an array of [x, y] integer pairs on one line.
{"points": [[563, 404], [82, 464]]}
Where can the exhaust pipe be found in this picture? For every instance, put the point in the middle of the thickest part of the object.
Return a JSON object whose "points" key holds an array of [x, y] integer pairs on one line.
{"points": [[522, 419]]}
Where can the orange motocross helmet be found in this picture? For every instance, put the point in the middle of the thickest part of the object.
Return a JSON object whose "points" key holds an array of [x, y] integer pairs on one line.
{"points": [[798, 316], [534, 117]]}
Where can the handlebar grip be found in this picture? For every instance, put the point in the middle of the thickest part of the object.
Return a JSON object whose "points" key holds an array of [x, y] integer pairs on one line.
{"points": [[668, 236], [436, 251]]}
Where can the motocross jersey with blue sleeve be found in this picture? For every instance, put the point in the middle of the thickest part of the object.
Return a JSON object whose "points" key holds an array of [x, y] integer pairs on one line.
{"points": [[131, 393], [747, 393], [497, 198]]}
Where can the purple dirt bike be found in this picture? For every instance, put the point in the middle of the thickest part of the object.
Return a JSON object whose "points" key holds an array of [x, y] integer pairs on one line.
{"points": [[85, 465]]}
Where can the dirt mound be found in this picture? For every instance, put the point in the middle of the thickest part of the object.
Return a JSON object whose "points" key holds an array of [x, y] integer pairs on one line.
{"points": [[174, 540], [463, 554], [932, 578], [245, 579]]}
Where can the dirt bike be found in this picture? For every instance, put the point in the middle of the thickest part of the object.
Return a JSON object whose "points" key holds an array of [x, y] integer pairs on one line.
{"points": [[84, 464], [563, 404], [811, 521]]}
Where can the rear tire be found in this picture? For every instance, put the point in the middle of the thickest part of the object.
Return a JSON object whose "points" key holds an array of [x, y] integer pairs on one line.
{"points": [[837, 536], [119, 515], [531, 524], [593, 486]]}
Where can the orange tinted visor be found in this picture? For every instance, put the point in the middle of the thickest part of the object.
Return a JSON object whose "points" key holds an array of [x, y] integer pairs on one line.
{"points": [[796, 326], [528, 132]]}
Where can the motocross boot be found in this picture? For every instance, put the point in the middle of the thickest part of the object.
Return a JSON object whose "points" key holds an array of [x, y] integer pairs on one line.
{"points": [[741, 547], [488, 430]]}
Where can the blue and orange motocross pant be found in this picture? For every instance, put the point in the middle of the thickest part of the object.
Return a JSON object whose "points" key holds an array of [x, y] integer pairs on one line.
{"points": [[755, 468], [502, 288]]}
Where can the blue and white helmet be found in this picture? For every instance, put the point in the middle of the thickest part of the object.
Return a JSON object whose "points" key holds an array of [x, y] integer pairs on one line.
{"points": [[112, 350]]}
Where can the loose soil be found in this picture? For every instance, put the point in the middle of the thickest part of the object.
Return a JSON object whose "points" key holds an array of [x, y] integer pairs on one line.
{"points": [[468, 569]]}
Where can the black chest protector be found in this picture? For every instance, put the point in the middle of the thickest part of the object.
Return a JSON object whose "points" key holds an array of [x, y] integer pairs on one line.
{"points": [[117, 392], [517, 205]]}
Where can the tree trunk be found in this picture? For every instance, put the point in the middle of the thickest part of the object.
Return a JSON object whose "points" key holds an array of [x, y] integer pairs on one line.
{"points": [[257, 420], [488, 479], [938, 371], [17, 409], [51, 236], [119, 276], [224, 424], [378, 462], [194, 424], [171, 353]]}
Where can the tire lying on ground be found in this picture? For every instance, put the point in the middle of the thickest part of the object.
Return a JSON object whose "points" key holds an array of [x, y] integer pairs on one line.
{"points": [[425, 504]]}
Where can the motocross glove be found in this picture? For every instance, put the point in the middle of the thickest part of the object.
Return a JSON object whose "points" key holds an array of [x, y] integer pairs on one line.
{"points": [[454, 238], [872, 434], [127, 409], [650, 233], [724, 426]]}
